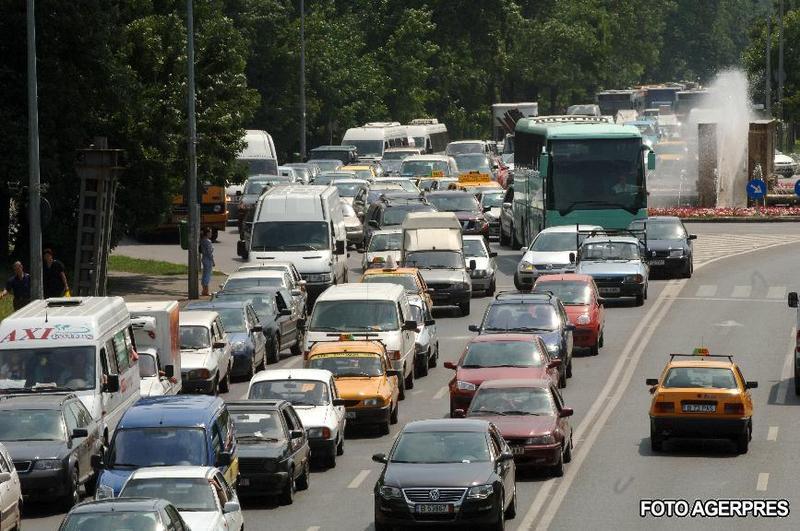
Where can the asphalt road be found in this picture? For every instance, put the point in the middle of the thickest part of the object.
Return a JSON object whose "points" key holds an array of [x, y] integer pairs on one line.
{"points": [[732, 305]]}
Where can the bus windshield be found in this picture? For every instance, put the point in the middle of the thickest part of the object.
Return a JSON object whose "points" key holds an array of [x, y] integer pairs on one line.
{"points": [[367, 148]]}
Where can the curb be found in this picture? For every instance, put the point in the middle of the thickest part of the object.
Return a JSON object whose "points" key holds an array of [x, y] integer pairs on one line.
{"points": [[734, 219]]}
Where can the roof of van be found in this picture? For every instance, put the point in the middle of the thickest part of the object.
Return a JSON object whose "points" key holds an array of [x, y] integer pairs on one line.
{"points": [[469, 142], [374, 132], [371, 292], [197, 317], [295, 203], [258, 145], [420, 129], [151, 306], [172, 411], [431, 220]]}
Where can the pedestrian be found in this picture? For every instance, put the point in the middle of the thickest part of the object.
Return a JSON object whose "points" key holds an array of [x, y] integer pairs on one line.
{"points": [[207, 258], [54, 278], [19, 285]]}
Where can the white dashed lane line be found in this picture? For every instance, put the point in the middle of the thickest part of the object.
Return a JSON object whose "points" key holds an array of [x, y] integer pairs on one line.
{"points": [[776, 292], [787, 372], [359, 479], [741, 292], [763, 481], [313, 528], [772, 434], [706, 290], [440, 393]]}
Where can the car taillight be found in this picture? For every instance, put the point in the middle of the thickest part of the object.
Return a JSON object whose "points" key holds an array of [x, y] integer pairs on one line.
{"points": [[393, 354], [734, 409], [664, 407]]}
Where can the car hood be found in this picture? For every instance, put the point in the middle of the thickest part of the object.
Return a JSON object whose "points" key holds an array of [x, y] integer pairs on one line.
{"points": [[442, 275], [630, 267], [195, 360], [560, 258], [481, 262], [33, 450], [260, 449], [304, 261], [202, 520], [575, 310], [314, 416], [405, 475], [358, 388], [478, 376], [663, 245], [513, 426], [115, 478]]}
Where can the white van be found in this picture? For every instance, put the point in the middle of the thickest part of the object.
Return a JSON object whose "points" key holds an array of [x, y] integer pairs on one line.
{"points": [[81, 344], [259, 153], [429, 135], [155, 330], [368, 311], [374, 138], [303, 225]]}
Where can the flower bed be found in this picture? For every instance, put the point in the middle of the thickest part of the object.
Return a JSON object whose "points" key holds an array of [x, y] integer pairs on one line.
{"points": [[727, 213]]}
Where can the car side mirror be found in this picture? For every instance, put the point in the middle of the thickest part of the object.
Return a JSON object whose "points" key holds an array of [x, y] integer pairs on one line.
{"points": [[218, 344], [554, 364], [472, 265], [112, 383], [231, 507], [224, 459], [566, 412], [80, 433], [97, 462], [792, 299], [601, 301], [492, 254], [506, 456], [450, 365], [296, 434], [459, 414], [5, 476], [258, 328], [571, 258], [169, 371], [692, 237], [410, 326], [339, 402], [430, 322], [339, 247], [474, 328], [379, 458], [651, 381], [750, 385]]}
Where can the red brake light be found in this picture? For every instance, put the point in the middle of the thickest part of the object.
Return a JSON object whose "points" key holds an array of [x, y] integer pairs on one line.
{"points": [[665, 407]]}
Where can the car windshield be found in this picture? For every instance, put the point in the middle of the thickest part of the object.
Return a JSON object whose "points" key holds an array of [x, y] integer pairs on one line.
{"points": [[474, 248], [194, 337], [710, 377], [255, 425], [492, 200], [255, 186], [366, 148], [424, 168], [298, 392], [550, 242], [503, 354], [473, 162], [407, 281], [326, 164], [141, 447], [232, 319], [147, 365], [441, 447], [397, 214], [405, 184], [252, 283], [385, 242], [466, 147], [348, 189], [397, 155], [186, 494], [290, 236], [570, 292], [118, 519], [661, 230], [610, 251], [31, 425], [460, 202], [354, 316], [525, 316], [435, 260], [349, 364], [513, 401], [67, 367]]}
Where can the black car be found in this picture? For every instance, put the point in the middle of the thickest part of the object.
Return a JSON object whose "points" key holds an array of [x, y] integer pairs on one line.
{"points": [[245, 334], [51, 438], [388, 213], [466, 207], [282, 329], [669, 245], [446, 472], [274, 456], [532, 313], [139, 514]]}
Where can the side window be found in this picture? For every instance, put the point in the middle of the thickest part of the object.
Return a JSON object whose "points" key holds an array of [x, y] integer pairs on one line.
{"points": [[400, 313], [70, 418], [334, 391], [130, 345], [121, 352], [216, 439], [229, 494], [220, 491], [295, 419], [4, 464], [217, 330], [557, 397], [174, 519], [290, 425], [223, 425], [81, 414], [495, 445], [741, 378]]}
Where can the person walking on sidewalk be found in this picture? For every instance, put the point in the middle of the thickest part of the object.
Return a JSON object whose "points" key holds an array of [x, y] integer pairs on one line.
{"points": [[19, 285], [207, 258], [55, 280]]}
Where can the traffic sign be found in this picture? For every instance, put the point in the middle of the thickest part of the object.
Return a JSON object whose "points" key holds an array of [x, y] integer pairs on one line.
{"points": [[797, 187], [756, 189]]}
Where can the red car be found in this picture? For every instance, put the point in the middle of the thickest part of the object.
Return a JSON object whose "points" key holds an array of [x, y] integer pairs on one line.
{"points": [[531, 417], [497, 357], [584, 306]]}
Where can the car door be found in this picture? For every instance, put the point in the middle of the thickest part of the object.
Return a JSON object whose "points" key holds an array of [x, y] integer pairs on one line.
{"points": [[298, 449], [553, 372], [8, 500], [598, 310], [504, 468], [83, 447], [338, 411], [78, 448], [567, 333], [259, 340], [287, 323], [221, 355]]}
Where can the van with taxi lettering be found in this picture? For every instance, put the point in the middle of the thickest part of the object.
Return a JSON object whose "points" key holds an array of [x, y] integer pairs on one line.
{"points": [[83, 345]]}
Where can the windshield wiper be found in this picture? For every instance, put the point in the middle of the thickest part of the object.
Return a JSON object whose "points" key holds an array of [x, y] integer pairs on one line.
{"points": [[354, 374], [253, 437], [569, 208], [326, 329], [532, 329], [488, 412], [523, 413], [303, 404], [305, 246], [472, 366]]}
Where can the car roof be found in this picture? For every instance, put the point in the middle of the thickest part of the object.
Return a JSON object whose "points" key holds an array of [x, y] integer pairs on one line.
{"points": [[183, 471], [350, 181], [358, 291], [474, 425], [518, 297], [118, 504], [197, 305], [576, 277], [196, 317], [571, 228], [328, 347], [499, 338], [173, 411], [517, 382], [441, 158], [710, 363], [321, 375], [468, 142], [613, 239], [256, 273], [39, 400]]}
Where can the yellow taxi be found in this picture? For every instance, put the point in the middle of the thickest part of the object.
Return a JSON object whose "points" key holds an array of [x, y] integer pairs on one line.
{"points": [[362, 171], [476, 182], [704, 396], [408, 277], [364, 378]]}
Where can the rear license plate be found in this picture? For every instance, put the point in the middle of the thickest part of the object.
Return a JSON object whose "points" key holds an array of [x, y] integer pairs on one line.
{"points": [[699, 408], [517, 450], [349, 414], [244, 482], [656, 262], [434, 508], [610, 290]]}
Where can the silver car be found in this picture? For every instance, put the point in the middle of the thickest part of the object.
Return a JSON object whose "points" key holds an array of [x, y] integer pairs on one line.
{"points": [[617, 265], [549, 253], [426, 339], [483, 274], [381, 245]]}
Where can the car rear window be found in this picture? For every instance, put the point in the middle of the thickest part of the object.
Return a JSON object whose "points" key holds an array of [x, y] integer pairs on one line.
{"points": [[707, 377]]}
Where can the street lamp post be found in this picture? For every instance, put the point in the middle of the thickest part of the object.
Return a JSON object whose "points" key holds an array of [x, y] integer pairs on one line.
{"points": [[34, 186], [191, 201], [302, 81]]}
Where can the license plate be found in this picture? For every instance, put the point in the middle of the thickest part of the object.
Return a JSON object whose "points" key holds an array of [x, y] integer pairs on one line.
{"points": [[349, 414], [434, 508], [609, 290], [656, 262], [699, 408], [244, 482], [517, 450]]}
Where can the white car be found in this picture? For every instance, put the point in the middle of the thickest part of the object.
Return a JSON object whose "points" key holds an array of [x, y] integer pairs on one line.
{"points": [[154, 382], [403, 182], [382, 245], [316, 401], [10, 493], [297, 284], [491, 203], [549, 253], [483, 274], [205, 353], [426, 339], [200, 493], [784, 164]]}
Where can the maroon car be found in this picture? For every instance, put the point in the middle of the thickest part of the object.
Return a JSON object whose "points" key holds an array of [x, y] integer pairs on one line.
{"points": [[496, 357], [532, 418]]}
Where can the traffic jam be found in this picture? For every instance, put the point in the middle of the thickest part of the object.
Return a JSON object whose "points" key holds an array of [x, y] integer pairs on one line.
{"points": [[122, 412]]}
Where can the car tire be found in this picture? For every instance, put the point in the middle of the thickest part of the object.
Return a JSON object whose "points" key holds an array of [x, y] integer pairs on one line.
{"points": [[305, 478], [273, 355], [492, 288], [511, 510], [330, 459], [562, 380], [569, 368], [568, 452], [594, 350], [464, 307], [640, 299], [215, 387], [687, 273], [382, 527], [401, 382], [340, 446], [297, 348], [287, 494], [743, 440], [646, 286], [409, 381], [515, 243], [656, 442], [73, 496], [557, 470], [422, 366], [383, 427], [434, 359], [500, 524], [602, 339], [394, 414], [214, 235], [225, 383]]}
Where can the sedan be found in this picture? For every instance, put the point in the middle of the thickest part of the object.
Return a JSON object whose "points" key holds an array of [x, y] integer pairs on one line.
{"points": [[426, 339], [10, 492], [477, 253], [495, 357], [447, 473], [532, 418], [669, 245], [141, 514]]}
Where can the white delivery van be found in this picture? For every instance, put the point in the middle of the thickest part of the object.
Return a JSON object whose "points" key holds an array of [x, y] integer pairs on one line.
{"points": [[155, 329], [81, 344], [259, 153], [303, 225], [373, 138], [429, 135]]}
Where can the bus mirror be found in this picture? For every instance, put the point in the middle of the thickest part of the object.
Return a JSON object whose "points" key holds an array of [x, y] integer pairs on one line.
{"points": [[112, 383], [544, 164], [651, 160]]}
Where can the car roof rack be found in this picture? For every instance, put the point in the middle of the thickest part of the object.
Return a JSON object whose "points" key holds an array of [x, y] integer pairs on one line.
{"points": [[729, 357], [640, 235], [522, 295]]}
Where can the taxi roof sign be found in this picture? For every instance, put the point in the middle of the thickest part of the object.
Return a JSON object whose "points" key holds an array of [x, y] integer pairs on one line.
{"points": [[701, 351], [474, 177]]}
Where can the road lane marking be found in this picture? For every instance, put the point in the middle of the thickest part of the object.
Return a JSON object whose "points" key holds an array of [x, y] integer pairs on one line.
{"points": [[763, 480], [440, 393], [772, 435], [313, 528], [725, 299], [786, 372], [776, 292], [359, 479], [741, 292], [707, 290]]}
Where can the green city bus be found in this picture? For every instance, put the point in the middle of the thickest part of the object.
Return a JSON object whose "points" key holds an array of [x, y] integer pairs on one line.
{"points": [[574, 170]]}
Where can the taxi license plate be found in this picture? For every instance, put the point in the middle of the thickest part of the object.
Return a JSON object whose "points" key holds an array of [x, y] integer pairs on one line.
{"points": [[349, 414], [517, 450], [699, 408], [656, 262], [244, 482], [434, 508], [609, 290]]}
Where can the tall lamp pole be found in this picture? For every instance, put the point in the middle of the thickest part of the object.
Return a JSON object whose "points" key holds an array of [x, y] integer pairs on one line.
{"points": [[34, 185], [302, 81], [191, 201]]}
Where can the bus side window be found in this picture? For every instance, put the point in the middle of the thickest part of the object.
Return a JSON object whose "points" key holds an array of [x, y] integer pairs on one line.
{"points": [[121, 352]]}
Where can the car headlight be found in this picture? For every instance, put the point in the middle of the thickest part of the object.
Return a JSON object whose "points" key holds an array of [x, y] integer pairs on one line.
{"points": [[318, 433], [372, 402], [541, 439], [47, 464], [465, 386], [583, 319], [199, 374], [634, 279], [553, 348], [676, 253], [478, 273], [525, 266], [217, 208], [104, 492], [480, 492], [318, 277], [390, 493]]}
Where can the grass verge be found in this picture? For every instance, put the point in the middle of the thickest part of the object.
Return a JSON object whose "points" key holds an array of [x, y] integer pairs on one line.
{"points": [[140, 266], [6, 308]]}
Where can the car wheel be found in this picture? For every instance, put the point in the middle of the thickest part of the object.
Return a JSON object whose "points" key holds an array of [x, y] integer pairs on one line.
{"points": [[687, 273], [214, 235], [511, 510], [422, 366], [297, 348], [602, 339], [305, 478], [340, 446], [401, 382], [434, 359], [646, 286], [464, 307], [557, 470], [568, 452], [225, 383], [214, 387], [330, 459], [594, 350], [273, 354], [562, 380], [287, 494], [409, 383], [743, 441], [640, 299], [656, 442], [492, 288], [73, 496], [382, 527], [394, 414], [500, 524]]}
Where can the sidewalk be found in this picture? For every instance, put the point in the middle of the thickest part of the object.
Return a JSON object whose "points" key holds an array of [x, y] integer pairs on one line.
{"points": [[135, 287]]}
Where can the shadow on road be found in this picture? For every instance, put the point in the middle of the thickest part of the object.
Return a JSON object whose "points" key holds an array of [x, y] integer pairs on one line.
{"points": [[719, 448]]}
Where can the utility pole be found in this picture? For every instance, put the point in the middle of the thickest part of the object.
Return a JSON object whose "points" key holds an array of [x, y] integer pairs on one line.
{"points": [[302, 81], [193, 207], [34, 184], [768, 76], [781, 76]]}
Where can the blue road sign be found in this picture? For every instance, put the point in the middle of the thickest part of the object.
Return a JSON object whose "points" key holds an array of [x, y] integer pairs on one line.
{"points": [[797, 187], [756, 189]]}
